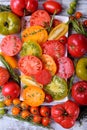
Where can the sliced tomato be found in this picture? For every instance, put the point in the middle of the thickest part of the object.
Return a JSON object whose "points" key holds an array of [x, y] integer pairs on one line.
{"points": [[49, 64], [30, 65], [44, 77], [11, 45], [66, 67], [53, 48], [40, 17]]}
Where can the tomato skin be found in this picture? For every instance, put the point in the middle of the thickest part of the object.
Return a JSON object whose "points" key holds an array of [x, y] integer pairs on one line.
{"points": [[79, 92], [45, 121], [63, 40], [4, 76], [11, 89], [52, 6], [45, 111], [77, 45], [85, 23], [65, 114], [34, 110], [48, 98], [37, 118]]}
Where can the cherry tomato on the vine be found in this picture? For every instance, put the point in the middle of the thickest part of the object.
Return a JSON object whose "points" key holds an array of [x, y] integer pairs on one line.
{"points": [[63, 40]]}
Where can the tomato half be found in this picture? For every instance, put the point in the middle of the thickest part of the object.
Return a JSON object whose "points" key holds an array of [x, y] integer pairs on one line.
{"points": [[66, 67], [53, 48], [40, 17], [11, 45], [30, 65]]}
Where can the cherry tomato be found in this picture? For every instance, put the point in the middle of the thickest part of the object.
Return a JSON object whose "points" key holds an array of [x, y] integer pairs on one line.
{"points": [[48, 98], [2, 112], [24, 105], [45, 121], [2, 104], [15, 111], [8, 101], [63, 40], [40, 17], [66, 67], [25, 114], [53, 48], [78, 15], [85, 23], [45, 111], [43, 77], [11, 45], [56, 22], [16, 101], [37, 118], [4, 75], [11, 89], [30, 65], [52, 6], [34, 110]]}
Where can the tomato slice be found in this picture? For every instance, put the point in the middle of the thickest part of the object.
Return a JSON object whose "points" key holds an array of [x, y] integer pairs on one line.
{"points": [[30, 65], [66, 67], [44, 77], [53, 48], [11, 45], [40, 17], [49, 64]]}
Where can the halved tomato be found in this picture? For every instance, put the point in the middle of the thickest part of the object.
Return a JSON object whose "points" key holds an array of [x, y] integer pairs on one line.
{"points": [[30, 65]]}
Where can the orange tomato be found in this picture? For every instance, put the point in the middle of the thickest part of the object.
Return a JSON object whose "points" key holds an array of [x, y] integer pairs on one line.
{"points": [[25, 114], [78, 15], [16, 101], [8, 101], [15, 111], [24, 105]]}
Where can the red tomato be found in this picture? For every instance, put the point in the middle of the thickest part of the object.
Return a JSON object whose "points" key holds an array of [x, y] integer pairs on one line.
{"points": [[11, 45], [52, 6], [4, 76], [65, 114], [40, 17], [11, 89], [45, 121], [85, 23], [37, 118], [19, 6], [53, 48], [56, 22], [34, 110], [66, 67], [79, 92], [48, 98], [45, 111], [63, 40], [30, 65], [43, 76], [77, 45]]}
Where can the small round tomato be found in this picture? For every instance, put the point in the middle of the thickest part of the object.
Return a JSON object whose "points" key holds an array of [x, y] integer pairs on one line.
{"points": [[8, 101], [45, 111], [45, 121], [2, 104], [40, 17], [43, 77], [34, 110], [52, 6], [37, 118], [79, 92], [78, 15], [11, 45], [16, 101], [25, 114], [63, 40], [48, 98], [11, 89], [15, 111], [53, 48], [56, 22], [24, 105], [4, 75], [2, 112], [85, 23], [30, 65], [65, 67]]}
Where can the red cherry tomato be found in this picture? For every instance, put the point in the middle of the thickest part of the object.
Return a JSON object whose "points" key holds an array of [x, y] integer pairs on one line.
{"points": [[85, 23], [37, 118], [40, 17], [79, 92], [11, 89], [78, 15], [11, 45], [63, 40], [30, 65], [34, 110], [45, 111], [48, 98], [52, 6], [56, 22], [45, 121]]}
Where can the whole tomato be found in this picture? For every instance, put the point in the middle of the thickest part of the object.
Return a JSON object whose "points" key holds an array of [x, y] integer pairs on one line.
{"points": [[11, 89], [77, 45], [45, 111], [19, 7], [79, 92], [52, 6], [65, 114]]}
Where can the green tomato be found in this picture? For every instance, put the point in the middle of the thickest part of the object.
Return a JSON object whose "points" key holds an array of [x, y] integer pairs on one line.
{"points": [[31, 48], [2, 104], [58, 88], [2, 112], [9, 23], [70, 11], [81, 68], [73, 5]]}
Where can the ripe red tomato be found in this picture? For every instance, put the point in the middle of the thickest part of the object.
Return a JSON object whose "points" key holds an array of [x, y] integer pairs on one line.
{"points": [[53, 48], [43, 76], [45, 121], [52, 6], [65, 114], [4, 75], [34, 110], [63, 40], [65, 67], [48, 98], [40, 17], [45, 111], [79, 92], [11, 89], [56, 22], [30, 65], [85, 23], [19, 6], [77, 45], [37, 118], [11, 45]]}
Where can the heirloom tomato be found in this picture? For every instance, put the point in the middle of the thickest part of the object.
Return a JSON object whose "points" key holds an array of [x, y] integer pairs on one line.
{"points": [[65, 114]]}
